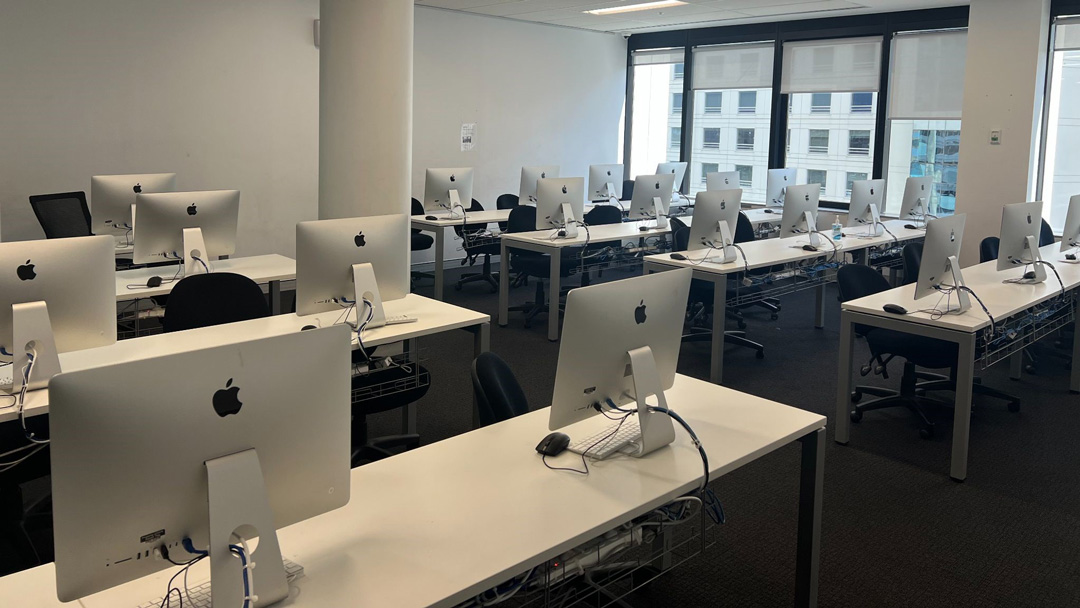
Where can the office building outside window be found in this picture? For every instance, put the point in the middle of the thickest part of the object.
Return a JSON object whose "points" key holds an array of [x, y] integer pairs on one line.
{"points": [[713, 102], [747, 102], [861, 103], [851, 179], [746, 175], [859, 143], [820, 103], [744, 139], [655, 130], [706, 169], [818, 176], [710, 138]]}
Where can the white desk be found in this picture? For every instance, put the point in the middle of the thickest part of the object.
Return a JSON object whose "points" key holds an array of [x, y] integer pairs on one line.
{"points": [[1001, 299], [433, 317], [766, 253], [437, 525], [542, 241], [270, 269]]}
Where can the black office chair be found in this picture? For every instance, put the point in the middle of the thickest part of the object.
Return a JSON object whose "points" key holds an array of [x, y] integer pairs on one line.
{"points": [[744, 233], [701, 304], [204, 300], [477, 244], [375, 382], [21, 522], [912, 257], [499, 396], [627, 190], [506, 201], [420, 241], [600, 215], [62, 215], [535, 264], [857, 281], [988, 248], [1046, 234], [676, 225]]}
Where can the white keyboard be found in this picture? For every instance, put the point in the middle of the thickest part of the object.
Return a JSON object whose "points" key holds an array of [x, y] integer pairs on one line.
{"points": [[600, 448], [399, 319], [200, 593]]}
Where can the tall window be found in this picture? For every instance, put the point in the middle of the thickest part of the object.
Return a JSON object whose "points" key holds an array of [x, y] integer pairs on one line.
{"points": [[851, 179], [678, 74], [657, 99], [706, 169], [926, 94], [1060, 179], [832, 91], [738, 77], [676, 138]]}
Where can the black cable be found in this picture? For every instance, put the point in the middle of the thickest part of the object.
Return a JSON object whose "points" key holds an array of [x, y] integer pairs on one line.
{"points": [[1060, 282], [896, 241]]}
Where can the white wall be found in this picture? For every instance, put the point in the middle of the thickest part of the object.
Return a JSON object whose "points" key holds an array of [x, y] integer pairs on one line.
{"points": [[1005, 74], [225, 94], [539, 95]]}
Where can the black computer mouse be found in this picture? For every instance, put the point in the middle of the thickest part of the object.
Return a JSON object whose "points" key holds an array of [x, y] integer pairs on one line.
{"points": [[768, 211], [895, 309], [678, 256], [1070, 256], [154, 281], [561, 233], [911, 226], [1029, 275], [553, 444], [430, 217], [643, 228], [809, 248], [307, 327]]}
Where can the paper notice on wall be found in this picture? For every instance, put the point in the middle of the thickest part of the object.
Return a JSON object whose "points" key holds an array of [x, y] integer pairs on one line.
{"points": [[468, 136]]}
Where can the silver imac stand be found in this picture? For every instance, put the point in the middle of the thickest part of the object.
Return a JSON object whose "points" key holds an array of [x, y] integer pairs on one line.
{"points": [[32, 329], [875, 228], [920, 213], [194, 247], [811, 228], [610, 194], [1032, 245], [962, 296], [657, 429], [236, 494], [727, 249], [367, 288], [570, 224], [658, 211], [455, 203]]}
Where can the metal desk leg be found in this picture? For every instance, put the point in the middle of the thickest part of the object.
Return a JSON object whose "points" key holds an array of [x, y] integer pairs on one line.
{"points": [[965, 378], [408, 413], [843, 380], [1074, 378], [1016, 365], [554, 288], [440, 237], [504, 284], [811, 480], [481, 344], [275, 298], [719, 320], [819, 321]]}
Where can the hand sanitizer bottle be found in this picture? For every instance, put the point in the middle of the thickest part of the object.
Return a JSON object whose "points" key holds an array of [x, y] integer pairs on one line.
{"points": [[837, 229]]}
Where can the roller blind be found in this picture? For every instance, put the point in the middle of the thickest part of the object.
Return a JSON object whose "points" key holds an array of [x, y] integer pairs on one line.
{"points": [[1067, 34], [832, 66], [658, 56], [927, 80], [734, 66]]}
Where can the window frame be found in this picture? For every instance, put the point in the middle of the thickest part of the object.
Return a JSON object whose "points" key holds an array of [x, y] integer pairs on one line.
{"points": [[811, 148], [713, 110], [744, 147], [853, 151], [707, 145]]}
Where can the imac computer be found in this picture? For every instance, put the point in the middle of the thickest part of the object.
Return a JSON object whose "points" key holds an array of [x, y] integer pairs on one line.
{"points": [[1021, 225], [56, 295], [191, 453], [448, 190], [529, 177], [342, 262], [1070, 235], [111, 198], [560, 203], [916, 205], [777, 184], [940, 266], [619, 348], [865, 208], [800, 213], [652, 198], [193, 227], [716, 213], [676, 169], [722, 180], [605, 182]]}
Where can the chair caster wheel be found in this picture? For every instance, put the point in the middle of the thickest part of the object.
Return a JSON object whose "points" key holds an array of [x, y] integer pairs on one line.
{"points": [[856, 396], [1014, 406], [927, 432], [1030, 369], [741, 324], [856, 416], [760, 354], [774, 316]]}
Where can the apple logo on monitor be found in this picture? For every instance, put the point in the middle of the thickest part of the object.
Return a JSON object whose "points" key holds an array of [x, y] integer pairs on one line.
{"points": [[543, 175], [564, 191], [871, 192], [227, 401], [453, 178], [360, 239], [26, 271], [785, 178], [922, 187], [657, 185], [727, 182], [609, 173], [723, 204], [192, 210], [952, 236], [807, 197], [137, 188], [1029, 219], [639, 313]]}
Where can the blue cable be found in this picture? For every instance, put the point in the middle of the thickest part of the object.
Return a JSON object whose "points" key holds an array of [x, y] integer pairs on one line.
{"points": [[190, 547], [243, 564]]}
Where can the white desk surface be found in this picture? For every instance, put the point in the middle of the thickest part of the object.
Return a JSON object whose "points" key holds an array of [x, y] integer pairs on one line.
{"points": [[1002, 299], [597, 234], [432, 317], [757, 216], [437, 525], [474, 217], [770, 252], [259, 268]]}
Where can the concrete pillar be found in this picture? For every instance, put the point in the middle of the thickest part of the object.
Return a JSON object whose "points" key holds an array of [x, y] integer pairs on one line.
{"points": [[365, 107], [1003, 90]]}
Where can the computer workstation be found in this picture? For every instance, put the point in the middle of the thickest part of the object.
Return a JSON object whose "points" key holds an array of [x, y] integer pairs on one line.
{"points": [[529, 177], [448, 193], [652, 199], [916, 203], [712, 233], [560, 205], [191, 228], [605, 183], [113, 200], [865, 206]]}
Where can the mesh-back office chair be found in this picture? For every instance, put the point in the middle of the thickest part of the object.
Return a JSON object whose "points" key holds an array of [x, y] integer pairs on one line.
{"points": [[204, 300], [477, 245], [506, 201], [701, 299], [744, 233], [535, 264], [912, 257], [420, 241], [62, 215], [600, 215], [366, 449], [627, 190], [499, 396]]}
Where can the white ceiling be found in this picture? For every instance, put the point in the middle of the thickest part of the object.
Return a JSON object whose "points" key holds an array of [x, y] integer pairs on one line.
{"points": [[696, 13]]}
